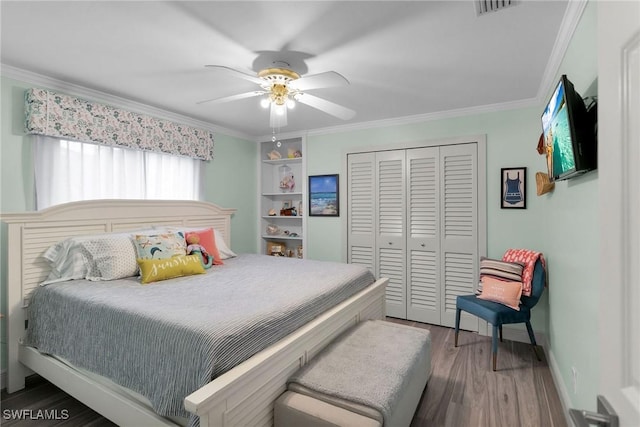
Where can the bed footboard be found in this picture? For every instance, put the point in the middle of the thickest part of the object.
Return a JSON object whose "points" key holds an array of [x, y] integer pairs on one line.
{"points": [[246, 394]]}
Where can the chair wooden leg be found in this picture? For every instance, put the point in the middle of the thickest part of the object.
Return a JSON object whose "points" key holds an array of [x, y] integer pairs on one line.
{"points": [[494, 345], [457, 327]]}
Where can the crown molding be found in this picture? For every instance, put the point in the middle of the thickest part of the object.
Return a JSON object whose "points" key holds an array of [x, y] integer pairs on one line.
{"points": [[570, 21], [408, 120], [420, 118], [116, 101]]}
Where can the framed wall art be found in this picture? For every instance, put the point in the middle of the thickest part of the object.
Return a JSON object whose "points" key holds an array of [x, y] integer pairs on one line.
{"points": [[513, 194], [324, 197]]}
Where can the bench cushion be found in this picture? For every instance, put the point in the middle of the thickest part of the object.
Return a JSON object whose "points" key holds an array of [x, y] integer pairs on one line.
{"points": [[378, 364]]}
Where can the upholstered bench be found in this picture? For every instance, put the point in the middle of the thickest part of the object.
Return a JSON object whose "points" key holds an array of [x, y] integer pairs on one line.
{"points": [[372, 375]]}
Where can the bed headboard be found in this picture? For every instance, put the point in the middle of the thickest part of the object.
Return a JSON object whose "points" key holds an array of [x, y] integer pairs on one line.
{"points": [[30, 234]]}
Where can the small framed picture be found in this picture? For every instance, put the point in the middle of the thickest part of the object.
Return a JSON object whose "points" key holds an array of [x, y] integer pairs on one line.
{"points": [[513, 183], [324, 197], [287, 204], [275, 248]]}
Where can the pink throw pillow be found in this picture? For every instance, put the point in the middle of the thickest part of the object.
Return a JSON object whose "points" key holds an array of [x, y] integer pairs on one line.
{"points": [[501, 291], [208, 241]]}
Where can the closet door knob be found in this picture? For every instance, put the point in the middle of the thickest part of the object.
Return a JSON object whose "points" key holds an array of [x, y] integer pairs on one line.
{"points": [[423, 245], [391, 243]]}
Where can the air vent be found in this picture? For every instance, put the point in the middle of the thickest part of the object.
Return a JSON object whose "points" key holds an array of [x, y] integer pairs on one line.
{"points": [[486, 6]]}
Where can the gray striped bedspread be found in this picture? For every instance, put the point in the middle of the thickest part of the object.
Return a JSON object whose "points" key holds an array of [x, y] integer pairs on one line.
{"points": [[168, 339]]}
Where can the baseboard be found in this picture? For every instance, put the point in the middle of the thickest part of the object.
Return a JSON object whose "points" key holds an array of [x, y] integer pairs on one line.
{"points": [[565, 400]]}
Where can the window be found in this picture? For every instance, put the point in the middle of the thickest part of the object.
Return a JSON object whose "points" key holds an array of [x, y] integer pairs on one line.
{"points": [[67, 171]]}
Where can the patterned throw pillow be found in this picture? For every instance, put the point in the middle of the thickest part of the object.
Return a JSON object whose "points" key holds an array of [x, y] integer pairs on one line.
{"points": [[501, 270], [160, 246], [154, 270], [528, 258], [501, 291]]}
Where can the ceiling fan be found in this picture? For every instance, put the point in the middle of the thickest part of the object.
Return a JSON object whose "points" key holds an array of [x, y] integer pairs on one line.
{"points": [[281, 88]]}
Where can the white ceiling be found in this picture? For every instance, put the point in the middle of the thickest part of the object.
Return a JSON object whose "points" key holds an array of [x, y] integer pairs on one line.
{"points": [[402, 58]]}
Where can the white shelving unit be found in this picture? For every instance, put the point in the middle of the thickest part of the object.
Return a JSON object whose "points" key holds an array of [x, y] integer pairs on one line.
{"points": [[275, 195]]}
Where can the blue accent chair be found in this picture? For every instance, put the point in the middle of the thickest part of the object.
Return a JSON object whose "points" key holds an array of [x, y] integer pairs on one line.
{"points": [[498, 314]]}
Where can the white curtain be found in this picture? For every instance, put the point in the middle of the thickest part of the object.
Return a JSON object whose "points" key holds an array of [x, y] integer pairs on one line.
{"points": [[67, 171]]}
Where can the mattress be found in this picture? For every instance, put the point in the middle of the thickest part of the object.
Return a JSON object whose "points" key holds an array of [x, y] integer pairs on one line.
{"points": [[168, 339]]}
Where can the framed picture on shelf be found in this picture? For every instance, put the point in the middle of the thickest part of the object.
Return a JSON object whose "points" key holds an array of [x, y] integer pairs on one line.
{"points": [[276, 248], [324, 197], [286, 204], [513, 194]]}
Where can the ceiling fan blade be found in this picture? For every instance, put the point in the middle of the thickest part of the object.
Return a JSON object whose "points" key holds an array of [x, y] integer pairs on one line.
{"points": [[317, 81], [238, 73], [328, 107], [232, 97], [278, 116]]}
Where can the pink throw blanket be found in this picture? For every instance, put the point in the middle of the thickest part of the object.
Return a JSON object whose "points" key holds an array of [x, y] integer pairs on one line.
{"points": [[528, 258]]}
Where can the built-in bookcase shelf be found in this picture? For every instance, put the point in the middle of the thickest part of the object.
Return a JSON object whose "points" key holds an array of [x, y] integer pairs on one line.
{"points": [[282, 186]]}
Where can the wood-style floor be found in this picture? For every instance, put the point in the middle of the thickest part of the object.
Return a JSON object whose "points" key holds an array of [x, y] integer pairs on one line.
{"points": [[463, 390]]}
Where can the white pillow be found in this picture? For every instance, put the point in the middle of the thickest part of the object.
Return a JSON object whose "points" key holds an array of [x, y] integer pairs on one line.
{"points": [[112, 256], [225, 252], [68, 261], [71, 259]]}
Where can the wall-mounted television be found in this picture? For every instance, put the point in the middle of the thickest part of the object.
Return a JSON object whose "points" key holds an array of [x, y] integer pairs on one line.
{"points": [[569, 133]]}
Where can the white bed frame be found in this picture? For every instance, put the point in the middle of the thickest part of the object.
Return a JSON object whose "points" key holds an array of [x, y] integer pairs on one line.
{"points": [[243, 396]]}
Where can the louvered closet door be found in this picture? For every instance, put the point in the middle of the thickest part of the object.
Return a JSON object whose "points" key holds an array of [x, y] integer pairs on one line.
{"points": [[361, 210], [391, 238], [423, 234], [459, 229]]}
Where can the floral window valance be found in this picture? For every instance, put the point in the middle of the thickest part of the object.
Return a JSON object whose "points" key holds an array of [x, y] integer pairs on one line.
{"points": [[53, 114]]}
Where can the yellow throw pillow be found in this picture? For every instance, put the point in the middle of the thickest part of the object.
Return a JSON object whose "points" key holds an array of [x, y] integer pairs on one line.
{"points": [[500, 291], [153, 270]]}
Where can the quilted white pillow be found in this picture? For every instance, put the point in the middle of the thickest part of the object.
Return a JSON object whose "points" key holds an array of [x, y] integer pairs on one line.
{"points": [[112, 256]]}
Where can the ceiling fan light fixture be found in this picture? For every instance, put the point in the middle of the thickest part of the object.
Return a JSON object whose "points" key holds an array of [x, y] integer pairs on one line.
{"points": [[282, 88], [278, 75], [280, 109]]}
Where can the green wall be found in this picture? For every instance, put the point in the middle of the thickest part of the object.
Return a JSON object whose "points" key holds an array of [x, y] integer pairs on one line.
{"points": [[562, 224], [512, 137], [572, 242], [230, 179]]}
